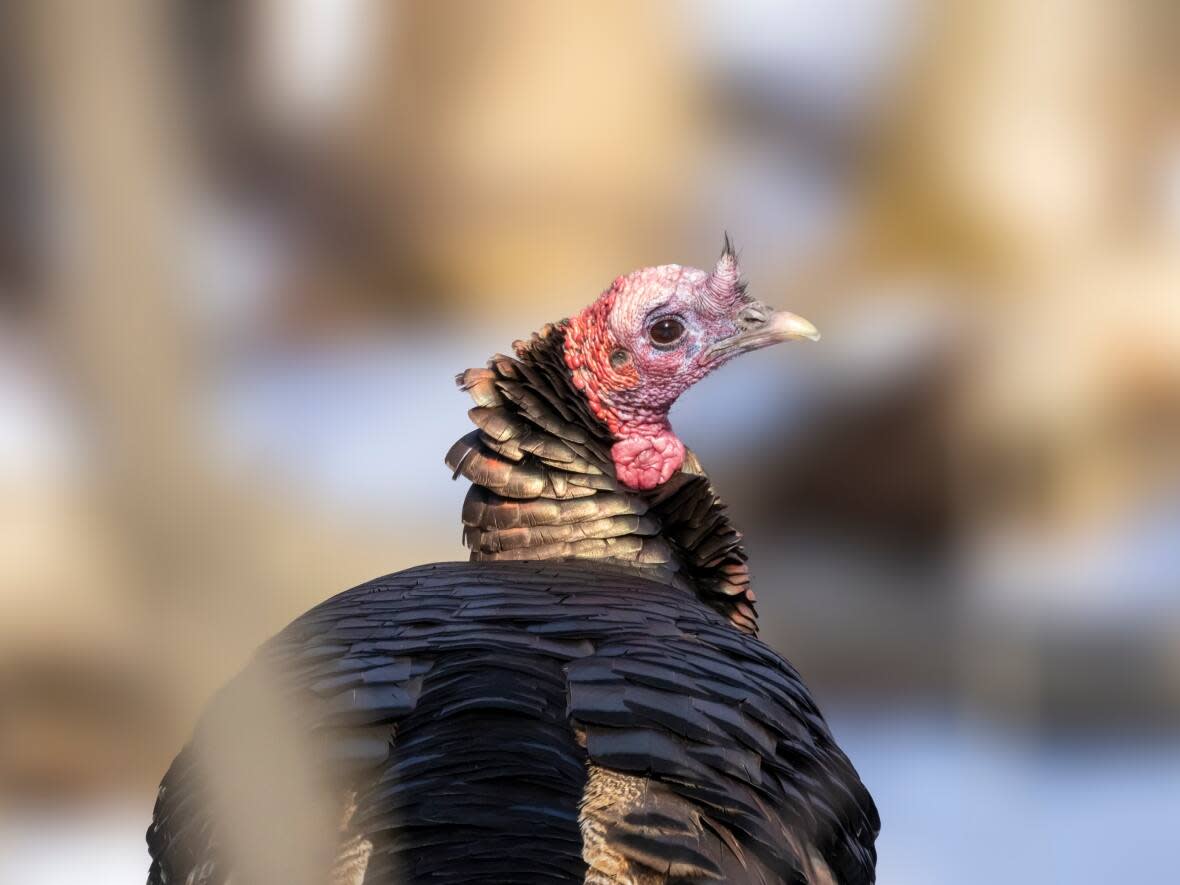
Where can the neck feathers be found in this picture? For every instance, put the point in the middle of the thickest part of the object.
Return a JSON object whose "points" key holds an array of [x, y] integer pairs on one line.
{"points": [[543, 486]]}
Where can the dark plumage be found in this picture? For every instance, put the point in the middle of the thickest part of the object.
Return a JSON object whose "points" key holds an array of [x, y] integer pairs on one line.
{"points": [[584, 700]]}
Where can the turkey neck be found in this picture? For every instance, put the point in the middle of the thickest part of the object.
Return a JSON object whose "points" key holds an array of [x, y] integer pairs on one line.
{"points": [[543, 487]]}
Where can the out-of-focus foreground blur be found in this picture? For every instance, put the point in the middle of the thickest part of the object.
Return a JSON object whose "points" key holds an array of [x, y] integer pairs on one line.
{"points": [[244, 247]]}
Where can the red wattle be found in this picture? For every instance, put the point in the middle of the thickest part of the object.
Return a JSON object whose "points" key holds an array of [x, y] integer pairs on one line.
{"points": [[644, 462]]}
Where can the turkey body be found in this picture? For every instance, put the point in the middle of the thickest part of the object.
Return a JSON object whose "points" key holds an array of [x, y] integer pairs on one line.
{"points": [[585, 700], [506, 722]]}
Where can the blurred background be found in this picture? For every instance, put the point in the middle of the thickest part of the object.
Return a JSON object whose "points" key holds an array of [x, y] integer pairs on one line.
{"points": [[245, 246]]}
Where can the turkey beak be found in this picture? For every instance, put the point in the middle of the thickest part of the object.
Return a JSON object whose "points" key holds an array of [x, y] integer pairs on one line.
{"points": [[760, 326]]}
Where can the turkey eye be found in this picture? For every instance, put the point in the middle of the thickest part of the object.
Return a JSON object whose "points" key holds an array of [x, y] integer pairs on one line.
{"points": [[666, 332]]}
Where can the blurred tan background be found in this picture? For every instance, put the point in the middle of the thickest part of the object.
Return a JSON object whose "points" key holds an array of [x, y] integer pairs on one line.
{"points": [[245, 246]]}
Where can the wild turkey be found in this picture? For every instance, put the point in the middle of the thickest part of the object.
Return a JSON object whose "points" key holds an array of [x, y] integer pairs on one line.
{"points": [[586, 698]]}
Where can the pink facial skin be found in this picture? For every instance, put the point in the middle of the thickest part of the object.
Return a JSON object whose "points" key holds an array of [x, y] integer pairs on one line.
{"points": [[631, 380]]}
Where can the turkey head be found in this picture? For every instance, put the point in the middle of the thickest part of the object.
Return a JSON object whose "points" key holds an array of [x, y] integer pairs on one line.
{"points": [[648, 338]]}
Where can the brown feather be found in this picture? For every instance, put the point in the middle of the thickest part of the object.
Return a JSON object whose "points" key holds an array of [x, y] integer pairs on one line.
{"points": [[544, 486]]}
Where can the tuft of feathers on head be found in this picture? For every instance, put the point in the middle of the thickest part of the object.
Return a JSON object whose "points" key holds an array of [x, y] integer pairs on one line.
{"points": [[725, 285]]}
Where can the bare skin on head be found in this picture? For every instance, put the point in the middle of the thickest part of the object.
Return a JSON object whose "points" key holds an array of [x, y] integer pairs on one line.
{"points": [[652, 335]]}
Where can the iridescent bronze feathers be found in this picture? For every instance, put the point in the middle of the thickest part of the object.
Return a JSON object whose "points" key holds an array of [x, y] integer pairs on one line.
{"points": [[538, 448]]}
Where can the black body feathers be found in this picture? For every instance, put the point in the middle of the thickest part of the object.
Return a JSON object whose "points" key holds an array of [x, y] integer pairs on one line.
{"points": [[584, 700]]}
